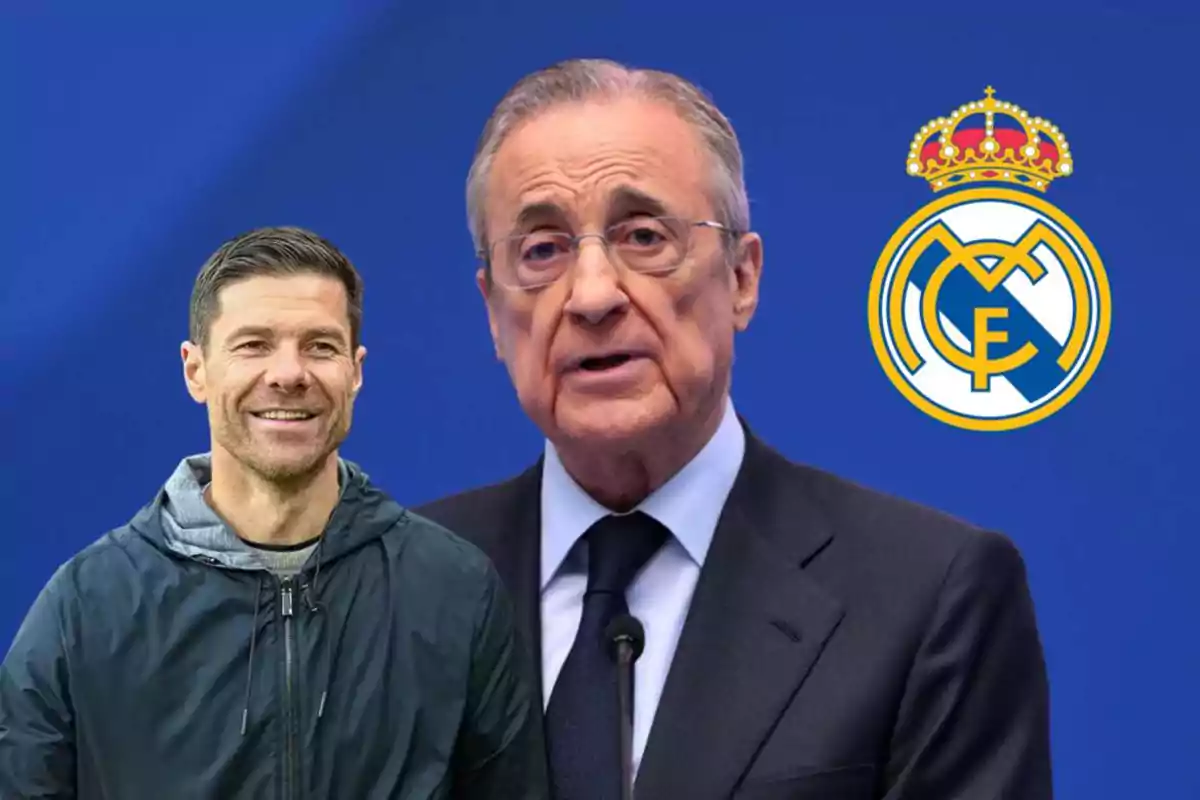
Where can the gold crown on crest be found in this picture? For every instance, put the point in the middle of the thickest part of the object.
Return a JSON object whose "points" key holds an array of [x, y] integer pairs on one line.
{"points": [[989, 141]]}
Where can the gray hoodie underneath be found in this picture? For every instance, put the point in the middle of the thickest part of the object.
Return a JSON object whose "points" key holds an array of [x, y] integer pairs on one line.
{"points": [[192, 528]]}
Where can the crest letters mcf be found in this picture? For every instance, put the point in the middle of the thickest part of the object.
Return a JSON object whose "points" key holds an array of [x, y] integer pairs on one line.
{"points": [[989, 308]]}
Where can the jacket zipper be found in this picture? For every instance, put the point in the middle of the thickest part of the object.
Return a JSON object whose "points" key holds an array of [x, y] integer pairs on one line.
{"points": [[290, 766]]}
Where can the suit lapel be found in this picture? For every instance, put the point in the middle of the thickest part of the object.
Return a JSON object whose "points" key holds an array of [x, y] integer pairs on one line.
{"points": [[756, 626]]}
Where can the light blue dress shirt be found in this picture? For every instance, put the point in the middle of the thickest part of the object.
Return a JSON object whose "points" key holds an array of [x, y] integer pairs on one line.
{"points": [[689, 505]]}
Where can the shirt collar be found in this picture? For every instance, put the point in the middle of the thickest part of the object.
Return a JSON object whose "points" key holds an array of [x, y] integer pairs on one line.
{"points": [[688, 505]]}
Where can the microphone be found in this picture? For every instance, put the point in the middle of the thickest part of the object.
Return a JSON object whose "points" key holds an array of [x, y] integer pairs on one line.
{"points": [[626, 639]]}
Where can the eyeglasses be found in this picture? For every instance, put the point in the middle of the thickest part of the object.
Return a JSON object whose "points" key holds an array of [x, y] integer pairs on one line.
{"points": [[646, 245]]}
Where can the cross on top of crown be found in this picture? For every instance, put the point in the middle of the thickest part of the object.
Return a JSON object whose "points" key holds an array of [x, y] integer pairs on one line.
{"points": [[989, 91]]}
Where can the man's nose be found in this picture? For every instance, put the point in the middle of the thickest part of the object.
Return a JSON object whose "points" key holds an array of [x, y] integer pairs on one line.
{"points": [[286, 369], [595, 284]]}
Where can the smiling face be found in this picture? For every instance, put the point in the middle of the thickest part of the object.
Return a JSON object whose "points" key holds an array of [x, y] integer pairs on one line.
{"points": [[278, 374], [606, 355]]}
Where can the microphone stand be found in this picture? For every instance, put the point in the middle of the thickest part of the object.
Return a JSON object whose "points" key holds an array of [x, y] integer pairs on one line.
{"points": [[627, 639], [625, 704]]}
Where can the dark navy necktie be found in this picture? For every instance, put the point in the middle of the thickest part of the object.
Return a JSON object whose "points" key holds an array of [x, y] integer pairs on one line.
{"points": [[582, 722]]}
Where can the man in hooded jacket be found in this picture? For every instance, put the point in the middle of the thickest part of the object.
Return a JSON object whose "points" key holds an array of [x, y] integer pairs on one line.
{"points": [[272, 624]]}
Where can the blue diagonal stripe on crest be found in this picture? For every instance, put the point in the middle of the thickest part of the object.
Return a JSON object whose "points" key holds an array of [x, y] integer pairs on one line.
{"points": [[961, 295]]}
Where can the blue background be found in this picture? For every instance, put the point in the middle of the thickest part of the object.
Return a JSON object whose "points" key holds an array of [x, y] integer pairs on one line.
{"points": [[138, 140]]}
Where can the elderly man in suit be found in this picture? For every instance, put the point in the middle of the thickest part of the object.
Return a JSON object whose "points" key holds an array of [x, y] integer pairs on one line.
{"points": [[805, 637]]}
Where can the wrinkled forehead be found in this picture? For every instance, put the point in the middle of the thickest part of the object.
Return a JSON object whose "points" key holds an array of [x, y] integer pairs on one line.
{"points": [[294, 305], [598, 161]]}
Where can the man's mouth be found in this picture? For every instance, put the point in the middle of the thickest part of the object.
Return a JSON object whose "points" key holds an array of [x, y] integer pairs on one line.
{"points": [[284, 414], [601, 363]]}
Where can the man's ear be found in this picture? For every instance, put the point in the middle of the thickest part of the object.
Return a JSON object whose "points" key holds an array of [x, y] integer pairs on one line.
{"points": [[484, 282], [194, 375], [747, 271], [359, 356]]}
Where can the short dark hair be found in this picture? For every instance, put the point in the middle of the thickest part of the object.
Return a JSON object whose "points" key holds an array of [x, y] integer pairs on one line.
{"points": [[271, 251]]}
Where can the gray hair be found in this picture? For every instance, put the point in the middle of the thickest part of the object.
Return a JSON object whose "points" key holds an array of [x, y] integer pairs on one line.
{"points": [[272, 252], [583, 79]]}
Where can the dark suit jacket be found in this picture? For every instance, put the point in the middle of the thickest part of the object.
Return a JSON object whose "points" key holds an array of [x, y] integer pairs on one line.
{"points": [[840, 644]]}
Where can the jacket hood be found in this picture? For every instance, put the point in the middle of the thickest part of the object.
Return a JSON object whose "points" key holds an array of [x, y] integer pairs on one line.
{"points": [[181, 521]]}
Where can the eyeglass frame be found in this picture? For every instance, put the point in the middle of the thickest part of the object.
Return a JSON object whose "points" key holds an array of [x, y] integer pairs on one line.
{"points": [[575, 240]]}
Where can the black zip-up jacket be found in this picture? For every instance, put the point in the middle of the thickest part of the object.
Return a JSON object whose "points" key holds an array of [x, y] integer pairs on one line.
{"points": [[388, 668]]}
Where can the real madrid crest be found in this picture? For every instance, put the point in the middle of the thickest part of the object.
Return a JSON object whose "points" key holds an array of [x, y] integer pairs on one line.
{"points": [[989, 308]]}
